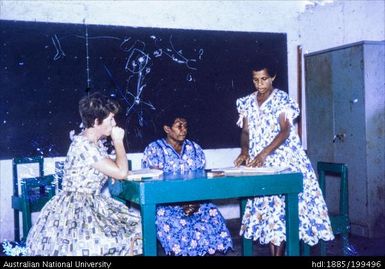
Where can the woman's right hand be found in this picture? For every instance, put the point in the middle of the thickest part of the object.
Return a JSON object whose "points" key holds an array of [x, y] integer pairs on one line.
{"points": [[117, 134], [242, 159], [190, 209]]}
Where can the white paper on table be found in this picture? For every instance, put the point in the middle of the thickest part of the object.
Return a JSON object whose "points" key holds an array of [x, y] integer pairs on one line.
{"points": [[144, 173], [244, 170]]}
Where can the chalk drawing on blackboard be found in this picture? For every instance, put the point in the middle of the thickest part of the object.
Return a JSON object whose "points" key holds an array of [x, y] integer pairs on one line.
{"points": [[59, 51], [137, 66], [87, 62], [137, 61], [200, 72], [178, 56], [44, 147]]}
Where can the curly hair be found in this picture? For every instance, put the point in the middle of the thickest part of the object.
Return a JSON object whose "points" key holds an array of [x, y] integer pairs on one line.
{"points": [[96, 106]]}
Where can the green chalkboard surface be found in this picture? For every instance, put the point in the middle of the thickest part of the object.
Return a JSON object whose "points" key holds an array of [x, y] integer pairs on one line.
{"points": [[45, 68]]}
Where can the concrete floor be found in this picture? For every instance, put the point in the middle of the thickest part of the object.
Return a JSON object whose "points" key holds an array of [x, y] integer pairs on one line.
{"points": [[359, 246]]}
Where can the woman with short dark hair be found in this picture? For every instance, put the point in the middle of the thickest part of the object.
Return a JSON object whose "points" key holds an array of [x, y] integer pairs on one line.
{"points": [[79, 220], [187, 229]]}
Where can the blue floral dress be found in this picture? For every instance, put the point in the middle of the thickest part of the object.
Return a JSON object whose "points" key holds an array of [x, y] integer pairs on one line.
{"points": [[201, 233], [264, 217], [79, 220]]}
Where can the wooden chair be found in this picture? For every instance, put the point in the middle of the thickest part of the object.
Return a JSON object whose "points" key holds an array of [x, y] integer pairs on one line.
{"points": [[17, 203], [340, 222], [35, 193]]}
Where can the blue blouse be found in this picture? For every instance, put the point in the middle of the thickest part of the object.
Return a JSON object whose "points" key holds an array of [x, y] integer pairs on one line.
{"points": [[159, 154]]}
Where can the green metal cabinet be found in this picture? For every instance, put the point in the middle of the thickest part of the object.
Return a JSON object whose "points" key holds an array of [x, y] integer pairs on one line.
{"points": [[345, 93]]}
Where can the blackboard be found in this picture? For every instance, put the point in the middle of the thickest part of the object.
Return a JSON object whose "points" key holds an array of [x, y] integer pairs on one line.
{"points": [[46, 68]]}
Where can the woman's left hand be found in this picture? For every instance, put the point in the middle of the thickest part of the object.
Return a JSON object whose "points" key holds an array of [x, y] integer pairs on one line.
{"points": [[258, 161]]}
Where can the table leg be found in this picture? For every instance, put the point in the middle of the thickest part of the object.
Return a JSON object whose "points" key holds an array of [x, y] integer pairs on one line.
{"points": [[149, 230], [292, 224]]}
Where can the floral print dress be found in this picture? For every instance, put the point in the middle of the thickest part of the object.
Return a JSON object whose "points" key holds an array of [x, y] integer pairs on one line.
{"points": [[201, 233], [79, 220], [264, 217]]}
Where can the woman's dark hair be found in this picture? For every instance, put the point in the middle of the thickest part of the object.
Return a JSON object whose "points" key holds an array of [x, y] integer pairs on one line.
{"points": [[96, 106], [265, 62], [169, 116]]}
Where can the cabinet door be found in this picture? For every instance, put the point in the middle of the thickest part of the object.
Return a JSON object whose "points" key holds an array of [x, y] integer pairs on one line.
{"points": [[345, 121], [349, 106], [336, 119], [321, 118], [349, 123], [319, 107], [335, 105]]}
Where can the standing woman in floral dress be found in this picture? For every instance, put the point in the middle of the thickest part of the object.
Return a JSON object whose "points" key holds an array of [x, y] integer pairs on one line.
{"points": [[269, 139]]}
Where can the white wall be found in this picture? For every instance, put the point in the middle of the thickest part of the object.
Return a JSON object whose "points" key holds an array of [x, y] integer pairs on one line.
{"points": [[339, 23], [319, 26]]}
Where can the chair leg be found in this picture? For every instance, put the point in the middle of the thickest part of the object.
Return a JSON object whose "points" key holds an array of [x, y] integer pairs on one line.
{"points": [[305, 249], [16, 225], [345, 243], [247, 246], [27, 223]]}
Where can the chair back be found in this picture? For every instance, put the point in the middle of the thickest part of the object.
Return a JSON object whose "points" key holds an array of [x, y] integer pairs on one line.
{"points": [[35, 193], [39, 160], [340, 171], [17, 203], [340, 222]]}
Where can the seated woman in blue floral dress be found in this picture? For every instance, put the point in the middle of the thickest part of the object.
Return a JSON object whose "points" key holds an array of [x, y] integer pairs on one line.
{"points": [[188, 229]]}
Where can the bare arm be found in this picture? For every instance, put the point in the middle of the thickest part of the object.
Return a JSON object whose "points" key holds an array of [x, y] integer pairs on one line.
{"points": [[118, 168], [277, 141], [244, 155]]}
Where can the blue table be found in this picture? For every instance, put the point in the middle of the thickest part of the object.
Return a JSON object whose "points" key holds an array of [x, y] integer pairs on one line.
{"points": [[195, 186]]}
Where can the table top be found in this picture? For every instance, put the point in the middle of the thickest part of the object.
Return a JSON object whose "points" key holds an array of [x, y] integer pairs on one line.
{"points": [[195, 185]]}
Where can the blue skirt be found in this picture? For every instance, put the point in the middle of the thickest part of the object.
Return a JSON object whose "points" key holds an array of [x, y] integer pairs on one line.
{"points": [[201, 233]]}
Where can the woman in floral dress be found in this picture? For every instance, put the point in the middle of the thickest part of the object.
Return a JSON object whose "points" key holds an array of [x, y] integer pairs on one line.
{"points": [[189, 229], [79, 220], [269, 139]]}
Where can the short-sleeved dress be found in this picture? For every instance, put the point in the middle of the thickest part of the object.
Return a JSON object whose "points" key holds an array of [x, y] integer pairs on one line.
{"points": [[203, 232], [264, 217], [79, 220]]}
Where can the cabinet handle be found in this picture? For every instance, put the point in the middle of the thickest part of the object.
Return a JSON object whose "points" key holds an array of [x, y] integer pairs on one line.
{"points": [[339, 137]]}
